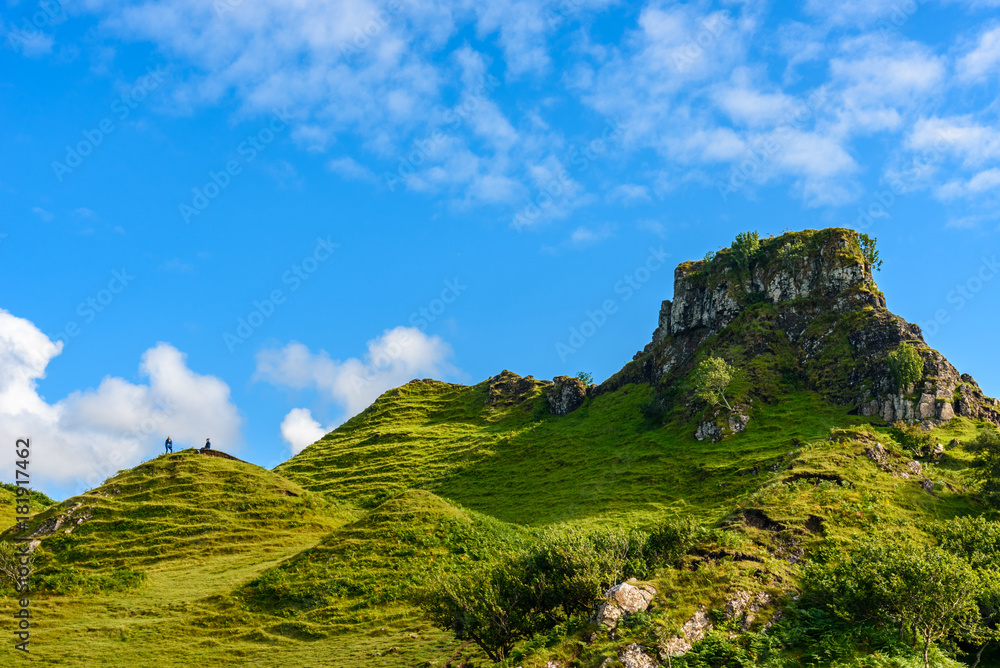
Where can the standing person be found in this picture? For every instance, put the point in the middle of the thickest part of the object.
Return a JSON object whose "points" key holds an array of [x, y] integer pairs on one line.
{"points": [[168, 446], [208, 444]]}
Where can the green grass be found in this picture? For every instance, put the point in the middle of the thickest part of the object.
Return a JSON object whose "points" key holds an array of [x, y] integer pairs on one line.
{"points": [[207, 560]]}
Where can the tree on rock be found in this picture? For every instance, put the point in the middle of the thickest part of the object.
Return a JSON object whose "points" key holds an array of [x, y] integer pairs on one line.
{"points": [[745, 249], [711, 380], [905, 365]]}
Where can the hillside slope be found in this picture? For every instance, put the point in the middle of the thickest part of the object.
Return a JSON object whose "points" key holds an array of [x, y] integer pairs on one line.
{"points": [[323, 561]]}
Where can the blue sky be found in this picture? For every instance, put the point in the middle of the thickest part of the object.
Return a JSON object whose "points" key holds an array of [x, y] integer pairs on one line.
{"points": [[245, 219]]}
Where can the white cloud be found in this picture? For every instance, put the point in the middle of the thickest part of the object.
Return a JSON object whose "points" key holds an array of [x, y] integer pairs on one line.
{"points": [[46, 216], [876, 83], [89, 435], [392, 359], [983, 61], [629, 193], [351, 169], [960, 136], [300, 429], [862, 13], [984, 182]]}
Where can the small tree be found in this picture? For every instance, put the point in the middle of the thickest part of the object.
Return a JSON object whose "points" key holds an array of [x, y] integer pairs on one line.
{"points": [[711, 380], [905, 365], [977, 541], [587, 378], [492, 606], [745, 249], [986, 447], [927, 590], [869, 250]]}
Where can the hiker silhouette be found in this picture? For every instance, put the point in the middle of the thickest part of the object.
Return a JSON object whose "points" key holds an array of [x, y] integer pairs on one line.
{"points": [[168, 446], [208, 444]]}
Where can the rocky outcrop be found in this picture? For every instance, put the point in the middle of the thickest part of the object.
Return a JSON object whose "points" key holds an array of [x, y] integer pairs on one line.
{"points": [[634, 656], [834, 271], [507, 388], [745, 605], [812, 296], [623, 599], [566, 395], [693, 630], [732, 422]]}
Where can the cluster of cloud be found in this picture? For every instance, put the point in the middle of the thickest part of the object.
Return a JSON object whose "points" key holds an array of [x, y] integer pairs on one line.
{"points": [[392, 359], [696, 83], [91, 434]]}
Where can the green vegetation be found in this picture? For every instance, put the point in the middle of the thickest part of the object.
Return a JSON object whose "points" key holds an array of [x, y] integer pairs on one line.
{"points": [[457, 524], [926, 592], [711, 380], [745, 249], [906, 366], [986, 447], [536, 589], [868, 248], [587, 378]]}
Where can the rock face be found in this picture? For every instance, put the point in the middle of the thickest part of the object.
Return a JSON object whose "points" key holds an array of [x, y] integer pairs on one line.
{"points": [[566, 394], [507, 388], [809, 301], [623, 599], [693, 630]]}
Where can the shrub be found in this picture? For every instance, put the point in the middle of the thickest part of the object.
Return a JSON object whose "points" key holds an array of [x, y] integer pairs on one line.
{"points": [[534, 590], [587, 378], [986, 447], [925, 590], [913, 438], [654, 411], [906, 366], [745, 248], [670, 540], [493, 606], [791, 253]]}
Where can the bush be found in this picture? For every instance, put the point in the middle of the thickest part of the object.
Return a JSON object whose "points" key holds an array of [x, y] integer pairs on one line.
{"points": [[986, 447], [654, 411], [745, 248], [587, 378], [669, 541], [791, 254], [906, 366], [493, 606], [536, 589], [924, 590], [913, 438]]}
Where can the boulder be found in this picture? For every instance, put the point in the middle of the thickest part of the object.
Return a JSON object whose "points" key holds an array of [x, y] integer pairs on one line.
{"points": [[738, 422], [745, 605], [693, 630], [708, 430], [915, 467], [566, 395], [623, 599], [634, 656]]}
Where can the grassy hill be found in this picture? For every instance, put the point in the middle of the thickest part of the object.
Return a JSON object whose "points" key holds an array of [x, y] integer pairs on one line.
{"points": [[205, 558]]}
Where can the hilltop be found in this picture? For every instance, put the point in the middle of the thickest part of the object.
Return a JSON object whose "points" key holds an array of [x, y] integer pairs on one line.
{"points": [[329, 558]]}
